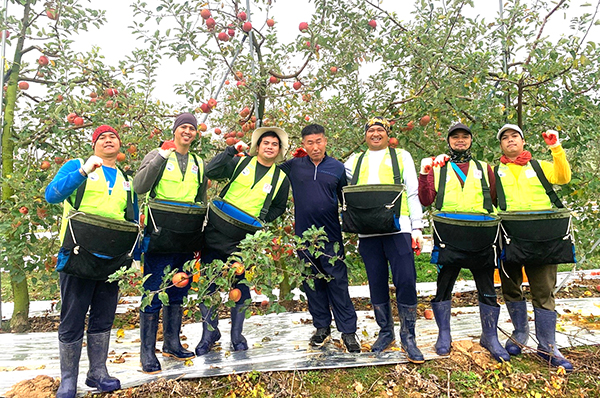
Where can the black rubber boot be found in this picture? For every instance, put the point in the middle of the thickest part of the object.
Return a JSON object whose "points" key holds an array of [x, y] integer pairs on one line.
{"points": [[442, 311], [518, 315], [171, 327], [70, 353], [238, 316], [209, 337], [545, 331], [148, 329], [408, 319], [97, 376], [489, 332], [385, 321]]}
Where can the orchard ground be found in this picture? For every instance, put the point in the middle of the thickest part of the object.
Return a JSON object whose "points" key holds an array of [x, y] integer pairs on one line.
{"points": [[467, 372]]}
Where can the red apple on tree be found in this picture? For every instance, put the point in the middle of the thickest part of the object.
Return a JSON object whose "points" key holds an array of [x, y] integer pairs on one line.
{"points": [[242, 16], [71, 117], [121, 157], [333, 70], [223, 36], [202, 127], [425, 120], [45, 165], [247, 27], [59, 98], [273, 80], [235, 295], [23, 210], [78, 121], [43, 60], [23, 85], [217, 131], [270, 23], [297, 85], [373, 23], [303, 26], [93, 94], [205, 13], [52, 14], [211, 23], [205, 108], [230, 141], [212, 102], [180, 279], [59, 160], [231, 32]]}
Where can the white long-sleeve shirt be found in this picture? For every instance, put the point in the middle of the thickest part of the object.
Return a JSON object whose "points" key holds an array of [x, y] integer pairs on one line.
{"points": [[409, 179]]}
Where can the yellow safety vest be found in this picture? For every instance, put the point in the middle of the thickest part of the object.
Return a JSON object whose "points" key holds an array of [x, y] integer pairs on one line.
{"points": [[386, 173], [467, 198], [524, 192], [250, 197], [96, 199], [173, 185]]}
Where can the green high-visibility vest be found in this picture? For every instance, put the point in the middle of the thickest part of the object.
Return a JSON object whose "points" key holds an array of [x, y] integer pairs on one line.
{"points": [[246, 195], [96, 199], [467, 198], [525, 192], [386, 173], [173, 185]]}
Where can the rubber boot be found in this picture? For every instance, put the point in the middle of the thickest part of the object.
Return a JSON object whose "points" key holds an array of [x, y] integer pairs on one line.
{"points": [[489, 336], [408, 319], [97, 376], [209, 337], [442, 311], [545, 331], [70, 353], [385, 321], [171, 327], [518, 315], [238, 316], [148, 329]]}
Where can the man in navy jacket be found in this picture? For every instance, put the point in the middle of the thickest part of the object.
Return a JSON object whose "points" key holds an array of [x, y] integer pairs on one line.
{"points": [[317, 182]]}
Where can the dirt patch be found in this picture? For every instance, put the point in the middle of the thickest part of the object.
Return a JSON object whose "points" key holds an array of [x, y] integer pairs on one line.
{"points": [[40, 387]]}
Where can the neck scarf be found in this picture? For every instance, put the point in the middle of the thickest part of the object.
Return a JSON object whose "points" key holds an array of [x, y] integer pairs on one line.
{"points": [[459, 156], [521, 160]]}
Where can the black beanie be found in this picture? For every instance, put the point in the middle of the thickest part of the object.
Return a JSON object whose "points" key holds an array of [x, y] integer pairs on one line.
{"points": [[185, 118]]}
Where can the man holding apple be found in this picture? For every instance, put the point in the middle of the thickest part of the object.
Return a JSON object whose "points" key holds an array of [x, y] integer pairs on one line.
{"points": [[258, 188], [317, 182], [174, 177], [381, 252], [97, 188], [524, 190]]}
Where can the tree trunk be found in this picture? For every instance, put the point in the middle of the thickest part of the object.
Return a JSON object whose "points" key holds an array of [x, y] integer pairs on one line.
{"points": [[284, 286], [20, 318]]}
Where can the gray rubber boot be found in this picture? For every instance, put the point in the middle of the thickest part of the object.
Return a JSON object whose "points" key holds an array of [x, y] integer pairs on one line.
{"points": [[238, 316], [97, 376], [209, 337], [148, 329], [489, 336], [442, 311], [385, 321], [171, 328], [518, 315], [408, 319], [545, 331], [70, 354]]}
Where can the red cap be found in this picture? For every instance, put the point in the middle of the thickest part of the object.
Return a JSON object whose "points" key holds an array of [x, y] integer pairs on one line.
{"points": [[101, 130]]}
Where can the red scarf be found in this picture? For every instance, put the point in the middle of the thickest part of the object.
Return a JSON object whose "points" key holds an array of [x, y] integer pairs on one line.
{"points": [[521, 160]]}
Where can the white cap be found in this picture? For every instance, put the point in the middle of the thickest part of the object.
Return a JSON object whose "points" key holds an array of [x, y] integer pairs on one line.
{"points": [[283, 139], [509, 127]]}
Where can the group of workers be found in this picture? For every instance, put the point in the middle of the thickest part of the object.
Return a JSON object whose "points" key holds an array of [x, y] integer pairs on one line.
{"points": [[258, 187]]}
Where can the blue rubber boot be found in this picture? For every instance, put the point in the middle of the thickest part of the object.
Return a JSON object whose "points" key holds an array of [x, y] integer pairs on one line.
{"points": [[489, 336], [171, 327], [442, 311], [148, 329], [209, 337], [520, 321], [408, 319], [385, 321], [238, 316], [70, 353], [545, 331], [97, 376]]}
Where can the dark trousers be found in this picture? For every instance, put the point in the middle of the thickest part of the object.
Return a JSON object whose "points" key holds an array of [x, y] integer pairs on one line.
{"points": [[208, 256], [155, 265], [542, 280], [379, 251], [329, 294], [484, 280], [79, 295]]}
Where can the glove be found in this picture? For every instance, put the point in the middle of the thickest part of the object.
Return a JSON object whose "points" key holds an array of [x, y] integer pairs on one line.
{"points": [[417, 241], [241, 146], [551, 138], [441, 160], [299, 153], [91, 164], [426, 165], [166, 149]]}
